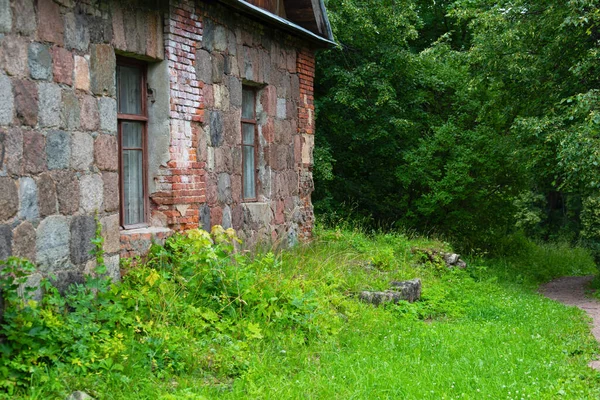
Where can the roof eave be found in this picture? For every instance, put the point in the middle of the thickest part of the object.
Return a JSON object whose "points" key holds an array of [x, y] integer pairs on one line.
{"points": [[282, 23]]}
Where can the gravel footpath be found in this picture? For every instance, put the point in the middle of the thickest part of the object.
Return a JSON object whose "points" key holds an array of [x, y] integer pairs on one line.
{"points": [[570, 290]]}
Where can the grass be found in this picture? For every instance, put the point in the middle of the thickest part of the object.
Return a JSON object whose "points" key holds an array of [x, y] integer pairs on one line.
{"points": [[480, 333]]}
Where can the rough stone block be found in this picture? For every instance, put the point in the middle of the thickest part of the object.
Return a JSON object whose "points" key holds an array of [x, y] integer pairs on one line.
{"points": [[205, 217], [224, 188], [89, 116], [7, 106], [58, 149], [13, 155], [408, 291], [77, 35], [70, 110], [50, 23], [102, 70], [67, 278], [218, 67], [82, 74], [106, 152], [26, 101], [9, 199], [67, 188], [112, 267], [111, 233], [216, 129], [235, 91], [23, 244], [220, 38], [281, 108], [40, 61], [221, 97], [63, 65], [108, 114], [91, 193], [28, 199], [46, 195], [6, 237], [82, 151], [203, 66], [5, 16], [83, 230], [34, 154], [111, 191], [216, 215], [226, 218], [100, 28], [13, 56], [208, 34], [50, 100], [23, 12]]}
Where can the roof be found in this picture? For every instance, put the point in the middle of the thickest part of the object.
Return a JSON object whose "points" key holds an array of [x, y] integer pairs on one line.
{"points": [[305, 18]]}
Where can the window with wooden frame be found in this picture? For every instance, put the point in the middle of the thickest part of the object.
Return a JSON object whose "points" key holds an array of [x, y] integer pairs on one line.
{"points": [[132, 123], [249, 143]]}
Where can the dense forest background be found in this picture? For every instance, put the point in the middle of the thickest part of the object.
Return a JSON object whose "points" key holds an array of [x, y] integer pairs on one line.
{"points": [[473, 119]]}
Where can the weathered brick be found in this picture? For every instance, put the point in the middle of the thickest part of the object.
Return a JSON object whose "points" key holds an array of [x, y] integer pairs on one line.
{"points": [[26, 101], [110, 233], [91, 193], [7, 106], [83, 231], [70, 110], [9, 198], [82, 74], [82, 151], [50, 23], [34, 154], [58, 149], [52, 243], [63, 65], [111, 191], [67, 188], [13, 56], [23, 12], [49, 106], [108, 114], [28, 200], [23, 244], [102, 70], [89, 117], [106, 152], [77, 35], [40, 61], [46, 195]]}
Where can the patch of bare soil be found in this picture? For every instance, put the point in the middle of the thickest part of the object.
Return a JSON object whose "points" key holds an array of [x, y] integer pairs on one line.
{"points": [[570, 290]]}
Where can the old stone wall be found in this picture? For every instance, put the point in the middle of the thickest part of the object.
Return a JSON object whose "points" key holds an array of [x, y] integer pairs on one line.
{"points": [[237, 51], [58, 127]]}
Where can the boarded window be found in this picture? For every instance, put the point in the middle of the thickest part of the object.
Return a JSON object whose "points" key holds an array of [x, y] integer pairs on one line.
{"points": [[249, 143]]}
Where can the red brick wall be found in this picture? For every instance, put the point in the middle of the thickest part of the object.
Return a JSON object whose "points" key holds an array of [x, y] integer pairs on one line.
{"points": [[182, 185], [306, 127]]}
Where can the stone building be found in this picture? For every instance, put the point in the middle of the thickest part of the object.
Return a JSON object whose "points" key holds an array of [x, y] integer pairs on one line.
{"points": [[156, 116]]}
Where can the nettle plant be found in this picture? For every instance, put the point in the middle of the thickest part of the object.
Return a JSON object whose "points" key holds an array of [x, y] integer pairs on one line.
{"points": [[195, 305]]}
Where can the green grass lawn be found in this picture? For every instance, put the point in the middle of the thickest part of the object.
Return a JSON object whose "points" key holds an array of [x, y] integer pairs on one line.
{"points": [[289, 326]]}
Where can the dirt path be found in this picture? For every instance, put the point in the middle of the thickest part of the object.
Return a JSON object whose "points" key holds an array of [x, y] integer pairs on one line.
{"points": [[570, 290]]}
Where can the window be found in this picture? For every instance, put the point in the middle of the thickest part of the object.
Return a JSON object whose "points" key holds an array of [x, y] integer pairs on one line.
{"points": [[248, 143], [132, 122]]}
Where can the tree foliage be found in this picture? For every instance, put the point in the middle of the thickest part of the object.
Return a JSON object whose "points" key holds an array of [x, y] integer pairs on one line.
{"points": [[443, 114]]}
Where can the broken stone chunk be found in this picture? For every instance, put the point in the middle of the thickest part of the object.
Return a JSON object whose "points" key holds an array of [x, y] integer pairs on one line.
{"points": [[406, 290]]}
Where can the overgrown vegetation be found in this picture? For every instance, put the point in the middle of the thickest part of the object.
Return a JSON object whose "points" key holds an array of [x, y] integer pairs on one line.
{"points": [[200, 319], [474, 119]]}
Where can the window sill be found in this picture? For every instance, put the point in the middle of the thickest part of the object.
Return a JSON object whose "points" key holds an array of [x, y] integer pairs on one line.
{"points": [[146, 230]]}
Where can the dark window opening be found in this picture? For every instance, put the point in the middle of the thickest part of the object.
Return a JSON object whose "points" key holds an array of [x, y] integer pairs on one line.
{"points": [[249, 143]]}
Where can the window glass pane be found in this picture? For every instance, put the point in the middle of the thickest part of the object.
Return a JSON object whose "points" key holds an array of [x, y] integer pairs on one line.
{"points": [[249, 184], [247, 103], [248, 133], [133, 192], [131, 133], [129, 84]]}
